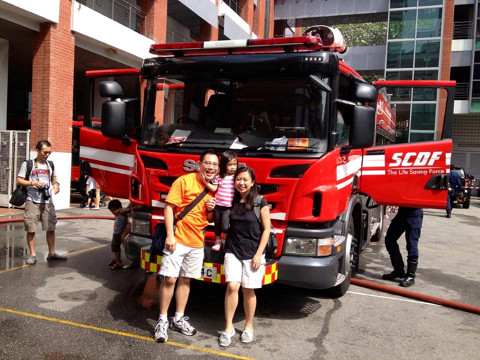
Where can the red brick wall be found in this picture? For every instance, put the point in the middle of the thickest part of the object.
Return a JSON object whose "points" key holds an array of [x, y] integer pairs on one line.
{"points": [[52, 82], [259, 19], [155, 24], [207, 32], [246, 12]]}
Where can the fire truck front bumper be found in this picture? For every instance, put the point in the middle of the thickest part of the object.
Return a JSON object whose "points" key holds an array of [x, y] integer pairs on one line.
{"points": [[308, 272], [134, 245]]}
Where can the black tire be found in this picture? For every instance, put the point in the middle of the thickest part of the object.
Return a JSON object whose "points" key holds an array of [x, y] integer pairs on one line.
{"points": [[351, 262], [466, 204]]}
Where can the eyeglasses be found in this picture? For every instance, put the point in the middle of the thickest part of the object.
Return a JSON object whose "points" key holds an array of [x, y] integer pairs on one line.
{"points": [[208, 163], [46, 152]]}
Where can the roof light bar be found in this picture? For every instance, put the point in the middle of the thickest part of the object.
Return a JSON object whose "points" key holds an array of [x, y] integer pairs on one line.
{"points": [[299, 43]]}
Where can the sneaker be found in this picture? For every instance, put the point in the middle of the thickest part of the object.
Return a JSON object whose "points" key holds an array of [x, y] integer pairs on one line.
{"points": [[183, 326], [87, 207], [32, 260], [95, 208], [161, 328], [225, 339], [55, 256], [246, 337]]}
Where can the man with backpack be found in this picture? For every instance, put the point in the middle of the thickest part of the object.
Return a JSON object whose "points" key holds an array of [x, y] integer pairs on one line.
{"points": [[40, 179]]}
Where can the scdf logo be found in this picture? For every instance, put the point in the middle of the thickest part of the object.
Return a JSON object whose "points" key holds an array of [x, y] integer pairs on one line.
{"points": [[414, 159], [190, 165]]}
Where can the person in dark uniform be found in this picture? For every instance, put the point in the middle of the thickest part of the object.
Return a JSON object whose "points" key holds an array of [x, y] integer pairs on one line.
{"points": [[453, 189], [408, 221]]}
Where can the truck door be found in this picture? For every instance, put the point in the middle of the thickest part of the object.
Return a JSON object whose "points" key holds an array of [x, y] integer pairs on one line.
{"points": [[411, 174], [110, 161]]}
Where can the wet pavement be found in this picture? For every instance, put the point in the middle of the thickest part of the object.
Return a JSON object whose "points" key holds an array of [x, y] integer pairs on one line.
{"points": [[79, 309]]}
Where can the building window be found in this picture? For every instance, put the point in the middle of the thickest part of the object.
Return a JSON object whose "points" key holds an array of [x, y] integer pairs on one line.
{"points": [[400, 54], [402, 3], [425, 94], [418, 136], [399, 94], [429, 2], [402, 24], [423, 117], [427, 53], [429, 23]]}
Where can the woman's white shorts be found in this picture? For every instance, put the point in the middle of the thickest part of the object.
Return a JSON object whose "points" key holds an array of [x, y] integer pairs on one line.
{"points": [[241, 271]]}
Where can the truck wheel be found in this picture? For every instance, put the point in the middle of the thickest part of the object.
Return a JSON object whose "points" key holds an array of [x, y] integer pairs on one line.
{"points": [[351, 260]]}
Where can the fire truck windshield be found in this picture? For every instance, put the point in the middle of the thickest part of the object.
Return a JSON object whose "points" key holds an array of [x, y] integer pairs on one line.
{"points": [[281, 115]]}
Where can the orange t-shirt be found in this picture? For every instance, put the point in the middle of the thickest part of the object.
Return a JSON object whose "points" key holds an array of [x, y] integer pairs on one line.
{"points": [[184, 190]]}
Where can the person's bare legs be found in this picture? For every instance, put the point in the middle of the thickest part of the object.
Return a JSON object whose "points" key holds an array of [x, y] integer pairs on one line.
{"points": [[97, 198], [167, 288], [249, 305], [231, 303], [182, 293], [51, 242], [31, 243]]}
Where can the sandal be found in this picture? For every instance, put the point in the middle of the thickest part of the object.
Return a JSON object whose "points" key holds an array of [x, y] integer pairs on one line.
{"points": [[115, 266]]}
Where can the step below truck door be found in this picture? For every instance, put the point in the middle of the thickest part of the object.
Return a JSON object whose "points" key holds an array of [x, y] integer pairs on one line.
{"points": [[111, 161], [410, 175]]}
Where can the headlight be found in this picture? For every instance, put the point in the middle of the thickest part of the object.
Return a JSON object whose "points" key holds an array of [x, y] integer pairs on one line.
{"points": [[141, 227], [309, 247]]}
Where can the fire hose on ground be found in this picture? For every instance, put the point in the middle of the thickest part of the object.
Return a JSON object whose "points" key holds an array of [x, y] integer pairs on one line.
{"points": [[358, 282]]}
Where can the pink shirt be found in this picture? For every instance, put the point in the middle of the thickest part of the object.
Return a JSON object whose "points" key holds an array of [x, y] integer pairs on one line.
{"points": [[225, 191]]}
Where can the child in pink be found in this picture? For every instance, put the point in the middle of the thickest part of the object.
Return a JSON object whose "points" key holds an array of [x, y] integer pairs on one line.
{"points": [[224, 196]]}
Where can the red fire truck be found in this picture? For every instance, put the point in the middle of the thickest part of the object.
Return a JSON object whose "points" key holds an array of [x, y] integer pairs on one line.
{"points": [[294, 112]]}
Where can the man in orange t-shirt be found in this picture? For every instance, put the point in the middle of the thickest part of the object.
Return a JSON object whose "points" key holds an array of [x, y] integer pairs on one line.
{"points": [[183, 253]]}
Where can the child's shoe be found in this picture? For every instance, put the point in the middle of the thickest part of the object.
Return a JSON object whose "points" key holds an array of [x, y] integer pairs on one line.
{"points": [[217, 246]]}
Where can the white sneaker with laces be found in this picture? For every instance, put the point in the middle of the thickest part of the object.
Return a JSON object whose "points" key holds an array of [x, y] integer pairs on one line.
{"points": [[161, 328], [183, 326], [225, 339]]}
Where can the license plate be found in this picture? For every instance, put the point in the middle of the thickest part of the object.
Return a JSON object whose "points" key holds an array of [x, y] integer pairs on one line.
{"points": [[209, 272]]}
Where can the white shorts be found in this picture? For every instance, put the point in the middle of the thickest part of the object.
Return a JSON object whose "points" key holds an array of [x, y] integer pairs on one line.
{"points": [[184, 261], [241, 271]]}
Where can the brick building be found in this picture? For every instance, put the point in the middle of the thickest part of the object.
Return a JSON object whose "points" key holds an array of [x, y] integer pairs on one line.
{"points": [[46, 47]]}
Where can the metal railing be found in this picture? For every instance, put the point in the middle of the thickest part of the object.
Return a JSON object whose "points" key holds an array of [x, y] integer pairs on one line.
{"points": [[234, 5], [461, 91], [120, 11], [462, 30]]}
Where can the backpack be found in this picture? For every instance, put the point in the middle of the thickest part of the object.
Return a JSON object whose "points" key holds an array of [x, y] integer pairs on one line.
{"points": [[160, 234], [272, 243]]}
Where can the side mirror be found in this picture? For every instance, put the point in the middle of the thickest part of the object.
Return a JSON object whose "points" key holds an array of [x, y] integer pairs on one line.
{"points": [[110, 89], [114, 111], [366, 93], [362, 132]]}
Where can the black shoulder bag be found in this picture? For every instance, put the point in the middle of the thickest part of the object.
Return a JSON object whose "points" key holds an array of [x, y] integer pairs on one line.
{"points": [[272, 244], [160, 234], [19, 196]]}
